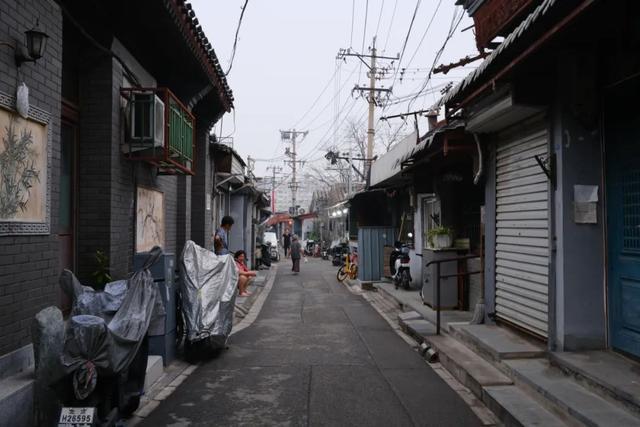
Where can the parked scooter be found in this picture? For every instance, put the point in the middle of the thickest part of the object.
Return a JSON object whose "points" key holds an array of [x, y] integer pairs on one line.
{"points": [[339, 253], [106, 347], [400, 266], [308, 249]]}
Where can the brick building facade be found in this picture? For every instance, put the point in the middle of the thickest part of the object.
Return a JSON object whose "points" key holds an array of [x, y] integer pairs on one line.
{"points": [[94, 50]]}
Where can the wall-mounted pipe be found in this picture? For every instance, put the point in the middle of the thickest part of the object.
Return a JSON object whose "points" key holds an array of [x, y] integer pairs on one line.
{"points": [[480, 172]]}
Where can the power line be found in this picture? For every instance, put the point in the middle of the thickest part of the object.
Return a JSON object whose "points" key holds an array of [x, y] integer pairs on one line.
{"points": [[452, 30], [318, 98], [406, 39], [353, 15], [424, 35], [380, 17], [393, 15], [330, 101], [364, 35], [235, 42]]}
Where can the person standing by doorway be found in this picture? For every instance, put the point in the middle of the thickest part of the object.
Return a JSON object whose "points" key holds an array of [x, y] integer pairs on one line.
{"points": [[296, 254], [286, 242], [221, 238]]}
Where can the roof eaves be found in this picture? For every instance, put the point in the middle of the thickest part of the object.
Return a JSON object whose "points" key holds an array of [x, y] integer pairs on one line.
{"points": [[187, 21]]}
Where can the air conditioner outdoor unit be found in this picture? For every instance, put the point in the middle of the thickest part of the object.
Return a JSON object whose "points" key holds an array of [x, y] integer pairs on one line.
{"points": [[146, 122]]}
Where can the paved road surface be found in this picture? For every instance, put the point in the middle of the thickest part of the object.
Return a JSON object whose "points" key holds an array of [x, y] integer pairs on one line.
{"points": [[317, 355]]}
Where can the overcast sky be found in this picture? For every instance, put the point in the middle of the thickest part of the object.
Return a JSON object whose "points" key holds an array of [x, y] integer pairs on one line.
{"points": [[286, 56]]}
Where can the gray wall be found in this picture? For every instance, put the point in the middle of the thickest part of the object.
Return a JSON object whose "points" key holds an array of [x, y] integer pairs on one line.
{"points": [[579, 261], [29, 265]]}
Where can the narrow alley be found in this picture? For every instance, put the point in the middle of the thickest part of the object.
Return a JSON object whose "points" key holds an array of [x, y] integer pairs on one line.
{"points": [[316, 355]]}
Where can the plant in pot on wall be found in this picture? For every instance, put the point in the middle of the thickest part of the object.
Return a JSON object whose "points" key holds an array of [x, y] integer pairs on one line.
{"points": [[440, 237]]}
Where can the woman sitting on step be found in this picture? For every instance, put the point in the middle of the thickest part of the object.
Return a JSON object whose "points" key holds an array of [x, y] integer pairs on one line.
{"points": [[244, 274]]}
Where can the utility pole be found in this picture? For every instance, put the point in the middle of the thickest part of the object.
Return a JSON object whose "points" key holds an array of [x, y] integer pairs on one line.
{"points": [[275, 169], [291, 136], [373, 93]]}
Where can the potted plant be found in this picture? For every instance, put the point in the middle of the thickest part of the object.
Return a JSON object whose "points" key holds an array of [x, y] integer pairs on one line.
{"points": [[439, 237]]}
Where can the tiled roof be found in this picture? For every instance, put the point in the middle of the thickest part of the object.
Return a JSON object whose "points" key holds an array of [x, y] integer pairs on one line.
{"points": [[461, 88], [186, 19]]}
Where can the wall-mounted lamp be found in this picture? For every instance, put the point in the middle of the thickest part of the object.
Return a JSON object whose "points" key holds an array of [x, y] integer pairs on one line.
{"points": [[36, 42]]}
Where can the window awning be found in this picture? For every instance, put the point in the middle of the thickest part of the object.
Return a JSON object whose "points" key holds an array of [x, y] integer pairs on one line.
{"points": [[387, 165], [426, 141]]}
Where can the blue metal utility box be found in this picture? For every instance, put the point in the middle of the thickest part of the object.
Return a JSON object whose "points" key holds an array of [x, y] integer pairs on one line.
{"points": [[163, 273], [371, 243]]}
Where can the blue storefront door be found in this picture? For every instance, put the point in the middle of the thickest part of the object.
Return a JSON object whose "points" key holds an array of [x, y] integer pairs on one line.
{"points": [[622, 133]]}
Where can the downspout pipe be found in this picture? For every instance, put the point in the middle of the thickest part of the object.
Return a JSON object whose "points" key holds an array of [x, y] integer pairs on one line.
{"points": [[480, 172]]}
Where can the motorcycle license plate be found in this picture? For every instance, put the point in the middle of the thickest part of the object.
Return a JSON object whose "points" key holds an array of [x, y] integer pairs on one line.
{"points": [[77, 417]]}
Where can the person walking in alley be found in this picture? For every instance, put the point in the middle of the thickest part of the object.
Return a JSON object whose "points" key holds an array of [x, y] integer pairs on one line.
{"points": [[244, 274], [296, 254], [286, 242], [221, 238]]}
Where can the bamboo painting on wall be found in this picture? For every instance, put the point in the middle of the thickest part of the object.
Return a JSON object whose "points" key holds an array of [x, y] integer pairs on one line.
{"points": [[149, 219], [23, 169]]}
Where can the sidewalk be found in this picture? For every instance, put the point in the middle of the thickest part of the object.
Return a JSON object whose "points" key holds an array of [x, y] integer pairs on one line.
{"points": [[517, 378]]}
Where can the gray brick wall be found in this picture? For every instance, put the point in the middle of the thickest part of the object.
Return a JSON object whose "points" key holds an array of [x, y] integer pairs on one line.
{"points": [[29, 265], [93, 225]]}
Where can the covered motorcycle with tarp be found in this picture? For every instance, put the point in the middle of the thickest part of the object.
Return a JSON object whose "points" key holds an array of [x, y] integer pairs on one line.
{"points": [[105, 346], [208, 292]]}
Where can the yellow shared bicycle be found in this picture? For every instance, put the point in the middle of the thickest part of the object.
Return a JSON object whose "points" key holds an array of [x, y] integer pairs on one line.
{"points": [[349, 269]]}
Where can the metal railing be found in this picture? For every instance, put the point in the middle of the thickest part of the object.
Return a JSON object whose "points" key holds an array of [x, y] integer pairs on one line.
{"points": [[180, 132], [446, 276]]}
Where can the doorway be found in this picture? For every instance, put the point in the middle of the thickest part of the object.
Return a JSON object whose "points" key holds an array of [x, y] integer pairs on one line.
{"points": [[67, 207], [622, 139]]}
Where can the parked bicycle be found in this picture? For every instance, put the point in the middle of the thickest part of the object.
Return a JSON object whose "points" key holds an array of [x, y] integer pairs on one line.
{"points": [[349, 269]]}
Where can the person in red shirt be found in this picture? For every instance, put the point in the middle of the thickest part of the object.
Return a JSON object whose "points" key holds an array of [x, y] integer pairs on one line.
{"points": [[244, 274]]}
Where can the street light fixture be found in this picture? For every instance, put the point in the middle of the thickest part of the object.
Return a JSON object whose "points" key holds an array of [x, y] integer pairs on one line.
{"points": [[36, 41]]}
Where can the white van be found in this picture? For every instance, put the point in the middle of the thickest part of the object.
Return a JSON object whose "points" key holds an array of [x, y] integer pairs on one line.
{"points": [[271, 237]]}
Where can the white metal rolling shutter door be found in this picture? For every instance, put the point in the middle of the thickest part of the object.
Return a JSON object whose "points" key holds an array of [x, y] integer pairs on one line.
{"points": [[522, 232]]}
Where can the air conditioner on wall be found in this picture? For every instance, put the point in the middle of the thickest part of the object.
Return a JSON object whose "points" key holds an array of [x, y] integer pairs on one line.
{"points": [[146, 122]]}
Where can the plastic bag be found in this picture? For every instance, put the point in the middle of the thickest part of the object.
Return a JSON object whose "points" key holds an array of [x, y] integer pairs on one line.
{"points": [[86, 349], [22, 100]]}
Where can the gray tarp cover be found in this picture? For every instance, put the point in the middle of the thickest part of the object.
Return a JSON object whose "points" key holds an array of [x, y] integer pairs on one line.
{"points": [[208, 293], [107, 327]]}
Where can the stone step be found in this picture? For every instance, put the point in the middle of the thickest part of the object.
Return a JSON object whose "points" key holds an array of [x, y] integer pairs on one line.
{"points": [[155, 370], [497, 343], [516, 408], [565, 393], [605, 372], [16, 399], [418, 328], [469, 368]]}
